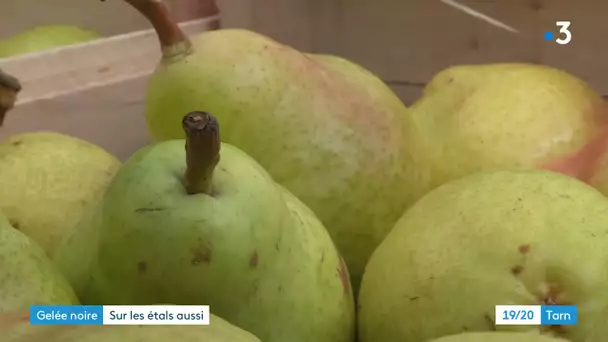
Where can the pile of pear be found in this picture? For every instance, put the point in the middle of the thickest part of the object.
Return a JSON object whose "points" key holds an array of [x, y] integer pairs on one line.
{"points": [[296, 195]]}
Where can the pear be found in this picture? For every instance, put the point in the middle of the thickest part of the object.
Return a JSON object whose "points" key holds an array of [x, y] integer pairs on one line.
{"points": [[500, 116], [27, 276], [376, 88], [16, 328], [499, 337], [47, 181], [76, 252], [521, 237], [44, 37], [224, 234], [324, 128], [588, 164]]}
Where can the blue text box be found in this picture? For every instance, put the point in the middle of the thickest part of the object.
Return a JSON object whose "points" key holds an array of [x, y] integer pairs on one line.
{"points": [[558, 315], [66, 315]]}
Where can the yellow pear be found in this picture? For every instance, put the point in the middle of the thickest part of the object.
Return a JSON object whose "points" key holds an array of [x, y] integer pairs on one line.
{"points": [[497, 116], [47, 181], [522, 237], [27, 276]]}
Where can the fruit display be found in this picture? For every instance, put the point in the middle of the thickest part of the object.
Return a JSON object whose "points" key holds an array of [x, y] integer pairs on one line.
{"points": [[295, 195]]}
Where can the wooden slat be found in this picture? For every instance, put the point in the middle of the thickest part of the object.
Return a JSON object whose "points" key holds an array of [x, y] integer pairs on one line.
{"points": [[58, 71], [237, 13], [288, 21], [109, 18], [18, 15], [410, 41], [93, 90], [111, 116]]}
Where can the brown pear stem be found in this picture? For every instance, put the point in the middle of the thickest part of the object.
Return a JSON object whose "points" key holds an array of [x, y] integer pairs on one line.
{"points": [[202, 151], [9, 88], [173, 40]]}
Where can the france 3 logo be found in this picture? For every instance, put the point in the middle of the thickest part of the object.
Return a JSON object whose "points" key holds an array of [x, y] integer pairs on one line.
{"points": [[564, 35]]}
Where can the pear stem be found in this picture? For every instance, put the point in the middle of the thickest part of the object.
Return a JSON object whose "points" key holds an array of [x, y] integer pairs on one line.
{"points": [[173, 40], [202, 151], [9, 87]]}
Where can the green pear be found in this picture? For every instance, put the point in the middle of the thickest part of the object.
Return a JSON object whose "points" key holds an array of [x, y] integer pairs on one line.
{"points": [[15, 327], [27, 276], [325, 128], [499, 116], [523, 237], [499, 337], [76, 252], [47, 181], [44, 37], [183, 226]]}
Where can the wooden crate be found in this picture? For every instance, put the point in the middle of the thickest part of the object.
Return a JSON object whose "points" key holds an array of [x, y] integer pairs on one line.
{"points": [[95, 90], [407, 41]]}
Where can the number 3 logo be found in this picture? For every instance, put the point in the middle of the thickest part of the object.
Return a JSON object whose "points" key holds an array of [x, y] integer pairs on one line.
{"points": [[563, 29]]}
